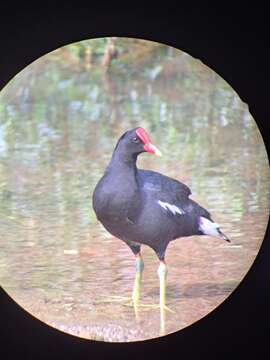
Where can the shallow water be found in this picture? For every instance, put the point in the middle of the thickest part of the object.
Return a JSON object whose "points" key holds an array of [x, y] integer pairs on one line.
{"points": [[58, 129]]}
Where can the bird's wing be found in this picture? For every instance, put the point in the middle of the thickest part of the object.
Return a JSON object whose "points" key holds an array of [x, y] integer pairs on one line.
{"points": [[167, 189], [171, 195]]}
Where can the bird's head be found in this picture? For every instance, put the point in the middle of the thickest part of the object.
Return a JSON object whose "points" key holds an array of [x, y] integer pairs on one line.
{"points": [[136, 141]]}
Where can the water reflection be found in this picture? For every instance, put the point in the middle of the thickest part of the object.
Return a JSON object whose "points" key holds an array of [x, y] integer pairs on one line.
{"points": [[57, 132]]}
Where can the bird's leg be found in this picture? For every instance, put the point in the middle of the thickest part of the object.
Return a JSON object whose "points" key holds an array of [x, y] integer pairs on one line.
{"points": [[135, 298], [139, 265], [162, 273]]}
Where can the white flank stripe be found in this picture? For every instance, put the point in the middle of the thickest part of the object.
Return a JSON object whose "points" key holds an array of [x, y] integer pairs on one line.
{"points": [[208, 227], [173, 208]]}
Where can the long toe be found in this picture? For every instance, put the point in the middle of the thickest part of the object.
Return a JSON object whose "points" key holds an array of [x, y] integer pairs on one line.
{"points": [[156, 306], [115, 299]]}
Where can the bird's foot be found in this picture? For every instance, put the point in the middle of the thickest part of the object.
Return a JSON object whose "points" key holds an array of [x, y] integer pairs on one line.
{"points": [[123, 300], [130, 302], [115, 298], [168, 309], [154, 306]]}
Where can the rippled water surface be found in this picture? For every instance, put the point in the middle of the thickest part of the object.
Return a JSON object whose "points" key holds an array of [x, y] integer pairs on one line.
{"points": [[58, 128]]}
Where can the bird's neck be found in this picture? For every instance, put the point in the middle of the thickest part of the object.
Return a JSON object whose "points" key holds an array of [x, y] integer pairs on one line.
{"points": [[122, 174], [123, 163]]}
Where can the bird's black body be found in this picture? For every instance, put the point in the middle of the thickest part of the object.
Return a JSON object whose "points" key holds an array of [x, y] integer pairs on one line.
{"points": [[145, 207]]}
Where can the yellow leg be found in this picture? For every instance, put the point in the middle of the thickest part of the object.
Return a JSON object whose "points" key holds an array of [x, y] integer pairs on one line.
{"points": [[137, 283], [134, 300], [162, 273]]}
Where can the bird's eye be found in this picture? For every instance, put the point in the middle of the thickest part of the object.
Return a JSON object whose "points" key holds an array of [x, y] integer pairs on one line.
{"points": [[135, 139]]}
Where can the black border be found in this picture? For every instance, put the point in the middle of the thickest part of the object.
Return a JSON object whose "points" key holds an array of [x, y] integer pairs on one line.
{"points": [[234, 43]]}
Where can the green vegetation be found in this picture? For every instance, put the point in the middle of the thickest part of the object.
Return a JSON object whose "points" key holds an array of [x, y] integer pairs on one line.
{"points": [[61, 113], [59, 121]]}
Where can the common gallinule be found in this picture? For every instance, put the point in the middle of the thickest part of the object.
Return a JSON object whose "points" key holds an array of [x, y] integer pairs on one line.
{"points": [[146, 207]]}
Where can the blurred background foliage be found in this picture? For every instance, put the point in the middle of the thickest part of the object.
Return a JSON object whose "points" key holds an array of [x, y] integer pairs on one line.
{"points": [[84, 95], [59, 121]]}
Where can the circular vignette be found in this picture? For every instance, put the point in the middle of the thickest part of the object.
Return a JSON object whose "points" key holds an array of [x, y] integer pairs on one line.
{"points": [[61, 117]]}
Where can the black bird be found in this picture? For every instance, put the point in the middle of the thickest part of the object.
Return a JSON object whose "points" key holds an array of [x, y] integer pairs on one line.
{"points": [[146, 207]]}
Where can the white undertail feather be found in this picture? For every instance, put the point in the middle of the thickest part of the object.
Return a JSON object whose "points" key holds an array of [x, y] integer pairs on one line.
{"points": [[208, 227], [173, 208]]}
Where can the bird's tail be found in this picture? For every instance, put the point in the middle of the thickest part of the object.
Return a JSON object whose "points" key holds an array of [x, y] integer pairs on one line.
{"points": [[222, 235], [208, 227]]}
